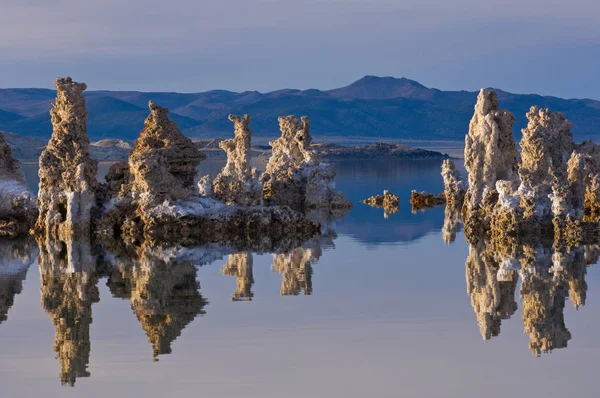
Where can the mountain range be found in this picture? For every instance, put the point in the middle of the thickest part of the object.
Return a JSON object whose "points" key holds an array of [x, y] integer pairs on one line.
{"points": [[377, 108]]}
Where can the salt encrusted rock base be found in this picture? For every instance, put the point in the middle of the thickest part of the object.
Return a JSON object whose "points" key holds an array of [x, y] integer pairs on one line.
{"points": [[205, 220]]}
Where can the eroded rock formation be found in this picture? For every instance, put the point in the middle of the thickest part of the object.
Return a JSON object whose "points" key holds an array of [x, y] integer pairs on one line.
{"points": [[17, 203], [67, 189], [294, 175], [490, 155], [238, 182], [388, 201], [454, 187]]}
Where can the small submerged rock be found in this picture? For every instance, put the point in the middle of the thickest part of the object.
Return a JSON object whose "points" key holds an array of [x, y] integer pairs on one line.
{"points": [[425, 200], [388, 201], [17, 203]]}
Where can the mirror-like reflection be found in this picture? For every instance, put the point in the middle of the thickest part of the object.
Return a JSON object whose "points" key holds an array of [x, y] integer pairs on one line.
{"points": [[16, 256], [69, 287], [549, 275], [163, 292]]}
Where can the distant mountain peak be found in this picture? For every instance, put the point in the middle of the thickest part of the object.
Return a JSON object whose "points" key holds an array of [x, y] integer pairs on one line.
{"points": [[388, 87]]}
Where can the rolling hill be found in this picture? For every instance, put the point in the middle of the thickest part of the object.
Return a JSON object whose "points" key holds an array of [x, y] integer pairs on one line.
{"points": [[373, 107]]}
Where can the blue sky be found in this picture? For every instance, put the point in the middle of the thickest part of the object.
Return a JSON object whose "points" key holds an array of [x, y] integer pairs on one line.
{"points": [[542, 46]]}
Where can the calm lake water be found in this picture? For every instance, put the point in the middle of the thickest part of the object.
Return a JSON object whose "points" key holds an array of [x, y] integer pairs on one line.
{"points": [[384, 309]]}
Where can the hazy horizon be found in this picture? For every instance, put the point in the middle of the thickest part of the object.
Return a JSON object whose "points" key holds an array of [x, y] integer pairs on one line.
{"points": [[532, 46]]}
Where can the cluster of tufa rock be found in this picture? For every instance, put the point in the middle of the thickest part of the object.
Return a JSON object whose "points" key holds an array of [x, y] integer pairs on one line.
{"points": [[550, 188], [17, 203], [153, 195]]}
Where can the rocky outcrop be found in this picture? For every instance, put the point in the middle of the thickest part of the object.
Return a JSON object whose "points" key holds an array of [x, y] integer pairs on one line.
{"points": [[17, 203], [388, 201], [454, 187], [546, 146], [67, 189], [490, 155], [294, 176], [153, 198], [424, 200], [238, 182], [163, 162]]}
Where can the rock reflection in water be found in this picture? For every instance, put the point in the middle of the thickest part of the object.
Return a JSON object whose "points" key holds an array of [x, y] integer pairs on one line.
{"points": [[549, 275], [69, 287], [163, 292], [16, 255], [240, 266]]}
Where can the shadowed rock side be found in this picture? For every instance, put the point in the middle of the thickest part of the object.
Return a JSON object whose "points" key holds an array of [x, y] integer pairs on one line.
{"points": [[239, 265], [16, 256], [68, 289], [490, 155], [67, 189], [153, 199], [424, 200], [238, 183], [17, 203], [549, 275], [163, 292], [388, 201], [294, 176]]}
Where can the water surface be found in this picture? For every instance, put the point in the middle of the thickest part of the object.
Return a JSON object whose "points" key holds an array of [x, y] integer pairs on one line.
{"points": [[382, 309]]}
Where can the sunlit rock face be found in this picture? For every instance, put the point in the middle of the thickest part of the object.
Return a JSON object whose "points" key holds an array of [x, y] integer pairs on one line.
{"points": [[388, 201], [294, 176], [546, 147], [163, 162], [16, 256], [17, 203], [67, 189], [69, 288], [490, 155], [238, 182], [239, 265], [454, 186], [163, 291]]}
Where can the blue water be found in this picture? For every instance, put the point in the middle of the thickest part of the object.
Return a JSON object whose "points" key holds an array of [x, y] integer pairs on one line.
{"points": [[388, 315]]}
